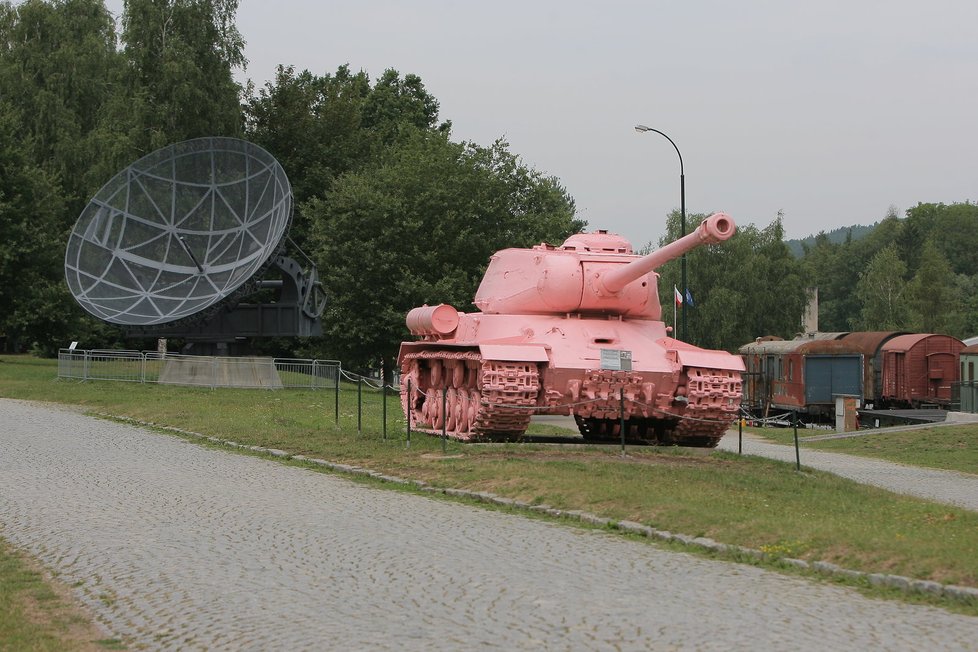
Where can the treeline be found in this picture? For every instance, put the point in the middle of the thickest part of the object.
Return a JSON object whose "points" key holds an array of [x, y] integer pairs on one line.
{"points": [[394, 212], [918, 274]]}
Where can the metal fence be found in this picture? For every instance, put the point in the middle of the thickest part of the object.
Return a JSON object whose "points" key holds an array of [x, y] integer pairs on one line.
{"points": [[964, 396], [196, 370]]}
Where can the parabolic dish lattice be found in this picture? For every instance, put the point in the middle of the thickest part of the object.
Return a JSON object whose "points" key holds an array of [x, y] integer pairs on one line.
{"points": [[178, 231]]}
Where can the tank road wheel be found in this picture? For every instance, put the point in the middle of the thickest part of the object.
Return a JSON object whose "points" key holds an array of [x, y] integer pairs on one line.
{"points": [[475, 404], [457, 375], [464, 422], [432, 408], [435, 374], [451, 405], [637, 431], [410, 402]]}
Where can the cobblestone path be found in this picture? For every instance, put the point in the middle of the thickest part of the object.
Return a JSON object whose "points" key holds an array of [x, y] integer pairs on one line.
{"points": [[176, 546]]}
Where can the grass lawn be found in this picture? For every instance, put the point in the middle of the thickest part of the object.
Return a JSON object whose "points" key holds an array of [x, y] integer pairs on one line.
{"points": [[746, 501], [39, 614], [952, 448]]}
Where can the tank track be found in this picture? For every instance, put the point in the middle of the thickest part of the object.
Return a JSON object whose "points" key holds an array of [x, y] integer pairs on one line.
{"points": [[712, 400], [706, 418], [485, 399]]}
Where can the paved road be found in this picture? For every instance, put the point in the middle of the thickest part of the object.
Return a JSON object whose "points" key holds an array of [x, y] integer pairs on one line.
{"points": [[951, 487], [179, 547]]}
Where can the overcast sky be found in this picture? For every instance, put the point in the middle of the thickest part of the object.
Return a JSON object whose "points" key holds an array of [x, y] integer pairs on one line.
{"points": [[831, 111]]}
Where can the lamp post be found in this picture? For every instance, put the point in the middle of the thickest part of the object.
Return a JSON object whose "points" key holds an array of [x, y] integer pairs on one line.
{"points": [[682, 205]]}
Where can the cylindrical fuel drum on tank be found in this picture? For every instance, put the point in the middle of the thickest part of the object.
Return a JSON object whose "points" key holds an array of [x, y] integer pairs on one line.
{"points": [[432, 320]]}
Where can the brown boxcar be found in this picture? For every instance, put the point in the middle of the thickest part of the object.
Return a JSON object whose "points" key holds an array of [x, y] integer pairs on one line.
{"points": [[918, 369], [870, 344]]}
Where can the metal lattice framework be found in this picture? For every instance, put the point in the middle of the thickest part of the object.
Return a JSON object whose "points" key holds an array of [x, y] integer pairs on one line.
{"points": [[178, 231]]}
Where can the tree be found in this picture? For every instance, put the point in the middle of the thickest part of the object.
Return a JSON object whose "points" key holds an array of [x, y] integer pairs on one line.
{"points": [[931, 292], [181, 56], [321, 127], [746, 287], [59, 67], [882, 293], [31, 207], [395, 103], [313, 125], [59, 70], [419, 227]]}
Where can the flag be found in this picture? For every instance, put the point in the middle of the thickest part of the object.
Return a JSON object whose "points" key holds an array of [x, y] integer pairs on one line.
{"points": [[689, 299], [678, 294]]}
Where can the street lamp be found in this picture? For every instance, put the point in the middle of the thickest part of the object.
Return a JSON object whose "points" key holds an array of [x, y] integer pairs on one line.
{"points": [[682, 204]]}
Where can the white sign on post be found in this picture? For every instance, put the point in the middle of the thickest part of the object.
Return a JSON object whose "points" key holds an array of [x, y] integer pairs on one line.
{"points": [[616, 360]]}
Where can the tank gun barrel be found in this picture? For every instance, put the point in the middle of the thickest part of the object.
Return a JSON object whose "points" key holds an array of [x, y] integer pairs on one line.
{"points": [[716, 228]]}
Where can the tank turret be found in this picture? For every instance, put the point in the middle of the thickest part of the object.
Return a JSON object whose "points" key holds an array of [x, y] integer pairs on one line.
{"points": [[590, 272], [573, 330]]}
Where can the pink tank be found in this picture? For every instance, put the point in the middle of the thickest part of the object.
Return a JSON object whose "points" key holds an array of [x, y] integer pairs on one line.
{"points": [[567, 330]]}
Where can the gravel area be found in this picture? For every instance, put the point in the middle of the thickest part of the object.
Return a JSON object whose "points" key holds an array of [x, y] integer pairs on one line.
{"points": [[176, 546]]}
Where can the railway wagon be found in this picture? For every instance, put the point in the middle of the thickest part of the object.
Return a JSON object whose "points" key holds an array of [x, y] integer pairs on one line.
{"points": [[969, 357], [918, 369], [870, 345], [967, 399], [803, 374]]}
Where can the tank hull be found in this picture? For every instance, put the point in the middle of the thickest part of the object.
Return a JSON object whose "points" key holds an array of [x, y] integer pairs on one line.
{"points": [[495, 371]]}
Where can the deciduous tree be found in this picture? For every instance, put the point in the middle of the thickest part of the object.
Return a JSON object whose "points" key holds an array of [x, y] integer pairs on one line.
{"points": [[419, 227], [882, 292]]}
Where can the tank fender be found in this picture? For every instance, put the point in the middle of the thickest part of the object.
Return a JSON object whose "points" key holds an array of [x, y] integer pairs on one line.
{"points": [[710, 360], [514, 352], [417, 347]]}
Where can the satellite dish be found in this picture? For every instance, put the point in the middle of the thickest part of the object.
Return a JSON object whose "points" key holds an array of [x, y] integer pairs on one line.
{"points": [[179, 231]]}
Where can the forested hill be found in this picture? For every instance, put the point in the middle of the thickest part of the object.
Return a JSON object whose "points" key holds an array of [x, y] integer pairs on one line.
{"points": [[835, 236]]}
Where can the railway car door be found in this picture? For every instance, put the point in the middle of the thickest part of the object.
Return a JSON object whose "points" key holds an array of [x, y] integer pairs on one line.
{"points": [[827, 375], [941, 372], [894, 375]]}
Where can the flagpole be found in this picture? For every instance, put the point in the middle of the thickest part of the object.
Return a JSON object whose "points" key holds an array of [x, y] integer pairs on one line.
{"points": [[675, 308]]}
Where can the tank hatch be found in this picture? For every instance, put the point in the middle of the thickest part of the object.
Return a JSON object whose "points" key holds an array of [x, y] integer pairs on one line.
{"points": [[600, 241]]}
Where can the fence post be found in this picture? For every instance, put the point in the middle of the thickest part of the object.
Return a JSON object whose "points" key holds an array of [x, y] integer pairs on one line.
{"points": [[339, 368], [621, 415], [383, 397], [444, 419], [409, 414], [794, 421], [359, 404], [85, 366], [740, 436]]}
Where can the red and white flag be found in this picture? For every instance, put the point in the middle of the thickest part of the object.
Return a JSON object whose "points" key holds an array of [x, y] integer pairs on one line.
{"points": [[679, 296]]}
